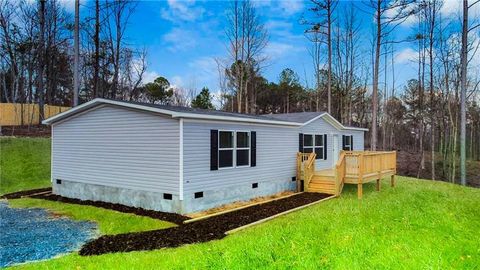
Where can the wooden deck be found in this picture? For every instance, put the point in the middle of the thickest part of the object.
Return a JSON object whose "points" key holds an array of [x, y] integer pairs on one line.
{"points": [[352, 167]]}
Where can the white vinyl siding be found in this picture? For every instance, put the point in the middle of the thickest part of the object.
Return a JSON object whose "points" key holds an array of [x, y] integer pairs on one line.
{"points": [[118, 147], [275, 160], [320, 126]]}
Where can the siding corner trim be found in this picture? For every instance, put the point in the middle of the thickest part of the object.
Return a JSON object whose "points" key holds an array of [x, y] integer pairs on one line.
{"points": [[181, 160]]}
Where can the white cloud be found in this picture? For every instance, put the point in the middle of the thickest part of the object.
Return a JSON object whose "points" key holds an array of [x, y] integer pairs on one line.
{"points": [[409, 21], [182, 10], [69, 5], [290, 7], [206, 65], [406, 56], [286, 7], [179, 39], [176, 81], [276, 50], [205, 72], [150, 76], [279, 28], [454, 8]]}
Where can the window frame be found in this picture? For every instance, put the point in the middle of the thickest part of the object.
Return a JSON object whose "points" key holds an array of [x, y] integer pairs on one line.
{"points": [[350, 146], [314, 144], [226, 149], [235, 148]]}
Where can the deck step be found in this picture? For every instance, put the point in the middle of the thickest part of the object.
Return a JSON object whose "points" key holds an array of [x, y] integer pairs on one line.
{"points": [[322, 184], [321, 190], [323, 178]]}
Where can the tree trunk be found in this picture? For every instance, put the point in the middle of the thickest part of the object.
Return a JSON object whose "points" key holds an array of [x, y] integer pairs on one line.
{"points": [[373, 145], [97, 49], [76, 56], [329, 41], [41, 60], [463, 91]]}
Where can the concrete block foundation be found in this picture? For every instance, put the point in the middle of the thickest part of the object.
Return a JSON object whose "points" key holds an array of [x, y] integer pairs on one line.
{"points": [[155, 201], [136, 198]]}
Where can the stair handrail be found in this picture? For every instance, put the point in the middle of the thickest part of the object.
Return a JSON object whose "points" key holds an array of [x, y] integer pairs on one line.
{"points": [[309, 170], [340, 171]]}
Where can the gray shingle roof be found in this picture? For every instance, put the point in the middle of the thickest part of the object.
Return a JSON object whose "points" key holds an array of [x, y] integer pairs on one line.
{"points": [[290, 119], [298, 117], [203, 111]]}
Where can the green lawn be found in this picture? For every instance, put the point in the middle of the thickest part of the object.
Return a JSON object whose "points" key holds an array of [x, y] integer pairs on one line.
{"points": [[24, 164], [417, 225], [108, 221]]}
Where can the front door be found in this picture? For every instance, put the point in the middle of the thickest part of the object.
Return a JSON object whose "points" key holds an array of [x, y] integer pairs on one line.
{"points": [[335, 149]]}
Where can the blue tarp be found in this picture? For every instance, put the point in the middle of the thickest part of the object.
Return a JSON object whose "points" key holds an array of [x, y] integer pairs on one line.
{"points": [[34, 234]]}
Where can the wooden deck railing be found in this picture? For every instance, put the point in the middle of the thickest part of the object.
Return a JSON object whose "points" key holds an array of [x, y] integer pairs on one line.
{"points": [[340, 172], [305, 168], [352, 167], [366, 166]]}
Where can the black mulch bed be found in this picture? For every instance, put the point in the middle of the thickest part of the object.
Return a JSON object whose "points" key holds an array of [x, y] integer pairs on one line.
{"points": [[20, 194], [26, 131], [195, 232], [171, 217]]}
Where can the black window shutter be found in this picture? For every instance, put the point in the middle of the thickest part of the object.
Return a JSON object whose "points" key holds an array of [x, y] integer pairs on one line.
{"points": [[351, 142], [343, 142], [300, 142], [213, 150], [253, 150], [325, 146]]}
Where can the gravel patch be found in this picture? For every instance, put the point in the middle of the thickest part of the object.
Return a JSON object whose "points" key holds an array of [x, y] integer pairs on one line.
{"points": [[32, 234]]}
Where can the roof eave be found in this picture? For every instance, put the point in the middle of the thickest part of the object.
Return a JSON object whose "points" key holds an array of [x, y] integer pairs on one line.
{"points": [[173, 114], [334, 122], [235, 119]]}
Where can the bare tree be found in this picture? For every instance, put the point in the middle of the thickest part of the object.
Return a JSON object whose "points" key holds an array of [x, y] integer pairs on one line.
{"points": [[118, 15], [316, 54], [247, 39], [76, 81], [322, 25], [41, 59], [387, 16], [463, 93], [97, 49], [430, 10]]}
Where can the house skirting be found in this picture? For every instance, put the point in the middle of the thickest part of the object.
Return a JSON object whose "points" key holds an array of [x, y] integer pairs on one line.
{"points": [[155, 201], [217, 197], [136, 198]]}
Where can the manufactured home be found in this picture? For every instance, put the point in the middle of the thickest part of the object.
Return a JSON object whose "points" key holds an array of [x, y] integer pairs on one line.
{"points": [[184, 160]]}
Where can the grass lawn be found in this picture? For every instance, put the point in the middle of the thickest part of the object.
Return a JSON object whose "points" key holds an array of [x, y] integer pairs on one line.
{"points": [[24, 164], [417, 225], [108, 221]]}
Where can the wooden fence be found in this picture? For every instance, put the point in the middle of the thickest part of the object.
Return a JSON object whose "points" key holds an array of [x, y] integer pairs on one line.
{"points": [[17, 114]]}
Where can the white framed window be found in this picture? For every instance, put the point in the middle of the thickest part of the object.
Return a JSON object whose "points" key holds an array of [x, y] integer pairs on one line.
{"points": [[315, 143], [242, 148], [233, 149], [308, 143], [347, 142], [226, 147], [320, 146]]}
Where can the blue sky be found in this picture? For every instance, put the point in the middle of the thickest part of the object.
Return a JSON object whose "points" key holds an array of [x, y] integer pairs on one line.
{"points": [[183, 38]]}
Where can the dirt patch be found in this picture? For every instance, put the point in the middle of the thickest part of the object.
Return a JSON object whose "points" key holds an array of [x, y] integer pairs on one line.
{"points": [[195, 232], [171, 217], [238, 204], [27, 131], [20, 194]]}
